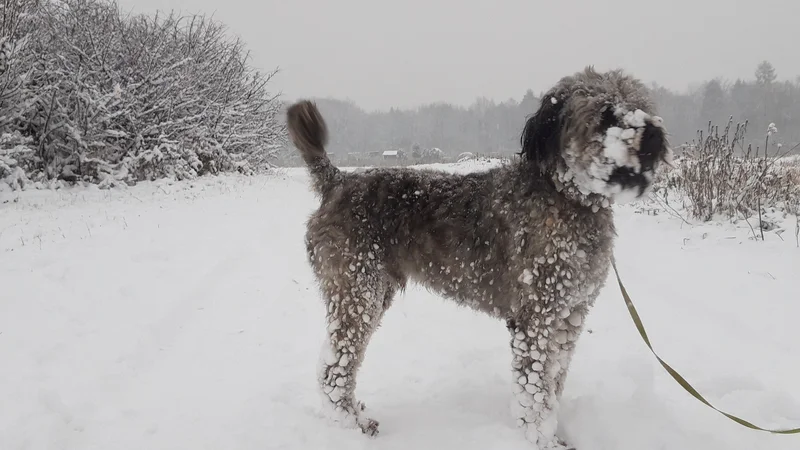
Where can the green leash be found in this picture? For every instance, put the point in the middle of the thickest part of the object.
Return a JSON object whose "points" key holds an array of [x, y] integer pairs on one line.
{"points": [[684, 384]]}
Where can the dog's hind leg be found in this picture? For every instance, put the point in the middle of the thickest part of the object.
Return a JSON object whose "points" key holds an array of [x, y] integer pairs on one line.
{"points": [[356, 303], [536, 368]]}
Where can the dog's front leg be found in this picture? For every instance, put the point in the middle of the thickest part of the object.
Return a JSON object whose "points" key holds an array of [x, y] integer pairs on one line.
{"points": [[568, 330], [536, 370]]}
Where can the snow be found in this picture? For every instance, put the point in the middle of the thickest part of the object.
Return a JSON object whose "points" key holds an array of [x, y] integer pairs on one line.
{"points": [[624, 196], [527, 276], [771, 129], [184, 315], [615, 146], [635, 119]]}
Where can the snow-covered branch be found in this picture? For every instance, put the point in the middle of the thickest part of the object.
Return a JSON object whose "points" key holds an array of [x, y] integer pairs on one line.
{"points": [[105, 98]]}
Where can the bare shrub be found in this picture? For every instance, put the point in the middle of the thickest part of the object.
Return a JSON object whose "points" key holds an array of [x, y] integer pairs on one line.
{"points": [[87, 94], [721, 177]]}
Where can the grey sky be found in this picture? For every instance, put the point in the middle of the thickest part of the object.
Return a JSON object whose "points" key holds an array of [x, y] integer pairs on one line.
{"points": [[404, 53]]}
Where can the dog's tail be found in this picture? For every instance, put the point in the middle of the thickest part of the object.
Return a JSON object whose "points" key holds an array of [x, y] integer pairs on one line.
{"points": [[309, 133]]}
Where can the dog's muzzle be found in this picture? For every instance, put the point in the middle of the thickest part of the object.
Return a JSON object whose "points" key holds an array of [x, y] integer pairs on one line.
{"points": [[652, 148], [628, 180]]}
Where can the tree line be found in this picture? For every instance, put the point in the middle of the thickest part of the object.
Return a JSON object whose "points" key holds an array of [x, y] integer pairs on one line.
{"points": [[90, 94], [490, 127]]}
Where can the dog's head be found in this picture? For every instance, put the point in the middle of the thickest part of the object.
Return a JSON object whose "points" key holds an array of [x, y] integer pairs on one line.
{"points": [[596, 135]]}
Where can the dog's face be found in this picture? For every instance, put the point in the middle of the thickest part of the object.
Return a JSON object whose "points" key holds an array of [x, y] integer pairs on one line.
{"points": [[596, 133]]}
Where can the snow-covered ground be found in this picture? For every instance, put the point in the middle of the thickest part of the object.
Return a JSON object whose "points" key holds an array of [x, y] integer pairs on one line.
{"points": [[184, 316]]}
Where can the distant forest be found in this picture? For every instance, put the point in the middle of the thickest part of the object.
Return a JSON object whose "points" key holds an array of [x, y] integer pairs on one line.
{"points": [[488, 127]]}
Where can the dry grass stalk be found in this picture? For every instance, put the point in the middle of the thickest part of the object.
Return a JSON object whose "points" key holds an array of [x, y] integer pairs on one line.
{"points": [[723, 178]]}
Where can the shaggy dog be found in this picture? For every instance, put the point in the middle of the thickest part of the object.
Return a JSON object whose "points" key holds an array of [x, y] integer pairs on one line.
{"points": [[529, 242]]}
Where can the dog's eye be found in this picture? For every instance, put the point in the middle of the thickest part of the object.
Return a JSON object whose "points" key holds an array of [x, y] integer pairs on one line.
{"points": [[607, 118]]}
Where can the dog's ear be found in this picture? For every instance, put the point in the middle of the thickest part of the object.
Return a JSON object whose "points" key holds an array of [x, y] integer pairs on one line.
{"points": [[541, 136]]}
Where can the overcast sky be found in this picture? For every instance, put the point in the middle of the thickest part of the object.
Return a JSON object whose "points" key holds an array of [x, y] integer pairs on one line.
{"points": [[404, 53]]}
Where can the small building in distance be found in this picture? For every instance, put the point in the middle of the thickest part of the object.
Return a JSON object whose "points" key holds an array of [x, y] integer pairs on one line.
{"points": [[392, 154]]}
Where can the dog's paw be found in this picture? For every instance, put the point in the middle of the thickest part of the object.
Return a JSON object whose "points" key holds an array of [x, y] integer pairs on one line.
{"points": [[533, 435], [558, 444], [565, 445], [369, 427], [555, 445]]}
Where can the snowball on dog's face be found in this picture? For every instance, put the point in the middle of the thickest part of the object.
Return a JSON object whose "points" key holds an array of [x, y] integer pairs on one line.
{"points": [[619, 160], [595, 135]]}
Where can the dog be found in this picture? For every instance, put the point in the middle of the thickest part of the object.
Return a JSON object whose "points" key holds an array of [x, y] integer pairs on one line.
{"points": [[528, 242]]}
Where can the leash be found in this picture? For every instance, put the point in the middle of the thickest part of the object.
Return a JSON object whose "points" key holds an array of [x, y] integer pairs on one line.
{"points": [[681, 381]]}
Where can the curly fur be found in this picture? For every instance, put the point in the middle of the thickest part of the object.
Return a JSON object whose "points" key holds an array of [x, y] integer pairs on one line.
{"points": [[528, 242]]}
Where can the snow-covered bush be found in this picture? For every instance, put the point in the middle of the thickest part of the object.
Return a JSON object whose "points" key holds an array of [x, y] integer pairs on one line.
{"points": [[720, 177], [88, 94]]}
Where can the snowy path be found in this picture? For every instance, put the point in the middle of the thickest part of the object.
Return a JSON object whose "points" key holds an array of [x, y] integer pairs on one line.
{"points": [[178, 317]]}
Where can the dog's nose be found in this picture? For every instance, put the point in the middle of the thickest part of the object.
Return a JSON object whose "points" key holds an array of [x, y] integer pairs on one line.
{"points": [[651, 146]]}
